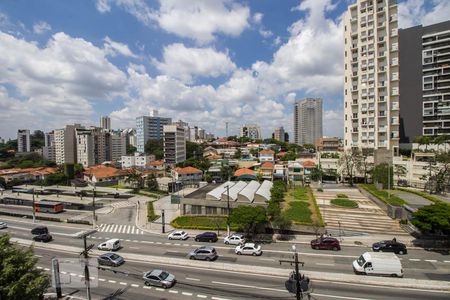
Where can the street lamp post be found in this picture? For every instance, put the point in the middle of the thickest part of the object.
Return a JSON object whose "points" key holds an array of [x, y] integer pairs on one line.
{"points": [[34, 209], [228, 210]]}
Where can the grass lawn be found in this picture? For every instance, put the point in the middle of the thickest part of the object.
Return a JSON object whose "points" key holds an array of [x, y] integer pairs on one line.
{"points": [[383, 195], [299, 212], [300, 193], [202, 222], [344, 203]]}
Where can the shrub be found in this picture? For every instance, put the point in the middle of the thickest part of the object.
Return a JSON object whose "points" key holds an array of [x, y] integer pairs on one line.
{"points": [[151, 216], [320, 189], [316, 207], [341, 196], [202, 223], [344, 203], [422, 194], [383, 195]]}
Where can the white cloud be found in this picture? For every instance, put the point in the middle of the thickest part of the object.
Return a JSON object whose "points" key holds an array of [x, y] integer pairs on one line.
{"points": [[113, 48], [333, 123], [186, 63], [265, 33], [257, 18], [416, 12], [103, 6], [55, 84], [41, 27], [199, 20]]}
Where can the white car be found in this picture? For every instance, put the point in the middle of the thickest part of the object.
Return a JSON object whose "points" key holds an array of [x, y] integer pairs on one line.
{"points": [[3, 225], [248, 249], [234, 239], [178, 235], [110, 245]]}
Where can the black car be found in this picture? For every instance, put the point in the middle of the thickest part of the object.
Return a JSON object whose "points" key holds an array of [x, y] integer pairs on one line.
{"points": [[45, 237], [39, 230], [389, 246], [206, 237]]}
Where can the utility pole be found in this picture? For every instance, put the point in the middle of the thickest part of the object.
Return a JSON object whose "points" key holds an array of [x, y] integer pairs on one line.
{"points": [[93, 208], [55, 265], [163, 221], [34, 209], [228, 210], [301, 282], [85, 254]]}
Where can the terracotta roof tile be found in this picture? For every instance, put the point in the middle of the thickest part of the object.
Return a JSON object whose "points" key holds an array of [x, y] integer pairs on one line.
{"points": [[267, 165], [267, 152], [102, 171], [308, 163], [243, 171], [214, 157], [187, 170]]}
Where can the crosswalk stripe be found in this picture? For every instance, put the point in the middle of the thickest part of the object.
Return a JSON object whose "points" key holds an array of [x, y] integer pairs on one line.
{"points": [[132, 230], [128, 230], [120, 228]]}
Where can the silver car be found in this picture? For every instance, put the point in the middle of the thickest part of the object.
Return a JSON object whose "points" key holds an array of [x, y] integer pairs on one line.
{"points": [[159, 278], [110, 259], [3, 225], [203, 253]]}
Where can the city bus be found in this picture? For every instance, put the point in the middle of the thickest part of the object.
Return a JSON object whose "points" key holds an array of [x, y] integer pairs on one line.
{"points": [[48, 206]]}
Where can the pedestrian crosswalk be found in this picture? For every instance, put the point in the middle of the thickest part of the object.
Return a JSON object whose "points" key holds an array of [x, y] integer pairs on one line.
{"points": [[123, 204], [117, 228]]}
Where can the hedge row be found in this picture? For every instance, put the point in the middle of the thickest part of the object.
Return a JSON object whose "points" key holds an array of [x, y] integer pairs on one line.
{"points": [[151, 216], [419, 193], [383, 195], [316, 207], [202, 223]]}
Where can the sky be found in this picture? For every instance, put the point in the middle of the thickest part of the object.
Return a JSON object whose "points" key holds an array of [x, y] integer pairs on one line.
{"points": [[206, 62]]}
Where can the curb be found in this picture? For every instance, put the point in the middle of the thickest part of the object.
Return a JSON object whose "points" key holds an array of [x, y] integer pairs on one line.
{"points": [[238, 268]]}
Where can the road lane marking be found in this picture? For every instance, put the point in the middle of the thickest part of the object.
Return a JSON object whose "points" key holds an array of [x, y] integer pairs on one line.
{"points": [[218, 298], [339, 297], [267, 259], [447, 261], [160, 289], [131, 247], [193, 279], [135, 285], [147, 287], [123, 283], [186, 294], [248, 286], [414, 259], [112, 281], [173, 291], [39, 267], [202, 296], [324, 264], [101, 279], [431, 260], [128, 230]]}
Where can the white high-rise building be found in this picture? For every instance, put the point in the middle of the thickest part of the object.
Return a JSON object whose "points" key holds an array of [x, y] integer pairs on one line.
{"points": [[23, 141], [371, 89], [174, 144], [93, 146], [308, 121], [278, 134], [65, 144], [149, 128], [105, 122], [251, 131]]}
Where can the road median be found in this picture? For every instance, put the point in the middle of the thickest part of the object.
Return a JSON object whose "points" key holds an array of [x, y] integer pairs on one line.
{"points": [[435, 285]]}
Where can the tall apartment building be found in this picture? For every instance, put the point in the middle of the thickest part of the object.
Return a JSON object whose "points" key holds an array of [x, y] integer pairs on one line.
{"points": [[23, 141], [49, 150], [308, 121], [93, 146], [371, 87], [425, 84], [174, 144], [279, 134], [118, 146], [105, 122], [251, 131], [65, 144], [149, 128]]}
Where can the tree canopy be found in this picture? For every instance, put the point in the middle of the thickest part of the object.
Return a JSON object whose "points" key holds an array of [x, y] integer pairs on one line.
{"points": [[248, 217], [19, 277], [194, 150], [155, 147], [434, 218]]}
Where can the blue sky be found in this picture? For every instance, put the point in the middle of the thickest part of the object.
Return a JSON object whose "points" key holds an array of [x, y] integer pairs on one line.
{"points": [[206, 62]]}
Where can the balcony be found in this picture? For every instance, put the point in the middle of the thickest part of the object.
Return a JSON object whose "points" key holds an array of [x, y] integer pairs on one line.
{"points": [[394, 77], [394, 106], [394, 62], [394, 33], [394, 92], [382, 114], [393, 18]]}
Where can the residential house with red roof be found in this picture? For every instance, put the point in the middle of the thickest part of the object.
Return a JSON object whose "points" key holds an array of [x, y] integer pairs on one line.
{"points": [[266, 155], [187, 175]]}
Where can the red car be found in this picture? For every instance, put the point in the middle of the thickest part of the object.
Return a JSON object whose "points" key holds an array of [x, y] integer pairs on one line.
{"points": [[326, 243]]}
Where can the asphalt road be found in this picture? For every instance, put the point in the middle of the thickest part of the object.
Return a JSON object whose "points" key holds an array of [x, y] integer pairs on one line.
{"points": [[417, 264], [198, 283]]}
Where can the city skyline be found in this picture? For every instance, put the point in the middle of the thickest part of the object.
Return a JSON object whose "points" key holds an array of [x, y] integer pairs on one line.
{"points": [[252, 69]]}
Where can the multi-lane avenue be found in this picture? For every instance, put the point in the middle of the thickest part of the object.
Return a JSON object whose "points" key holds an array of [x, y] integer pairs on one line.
{"points": [[196, 281]]}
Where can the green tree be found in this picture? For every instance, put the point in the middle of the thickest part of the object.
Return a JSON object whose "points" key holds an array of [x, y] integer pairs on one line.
{"points": [[438, 175], [434, 218], [208, 178], [134, 178], [399, 171], [248, 217], [349, 162], [317, 174], [282, 223], [152, 183], [37, 140], [237, 154], [423, 140], [56, 179], [309, 147], [384, 174], [289, 156], [69, 170], [19, 277], [155, 147], [194, 150], [131, 149]]}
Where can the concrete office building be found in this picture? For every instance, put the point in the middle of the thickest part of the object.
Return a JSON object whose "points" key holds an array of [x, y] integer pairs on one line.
{"points": [[118, 146], [307, 121], [371, 82], [174, 144], [65, 144], [149, 128], [105, 123], [251, 131], [49, 150], [425, 81], [23, 141], [279, 134]]}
